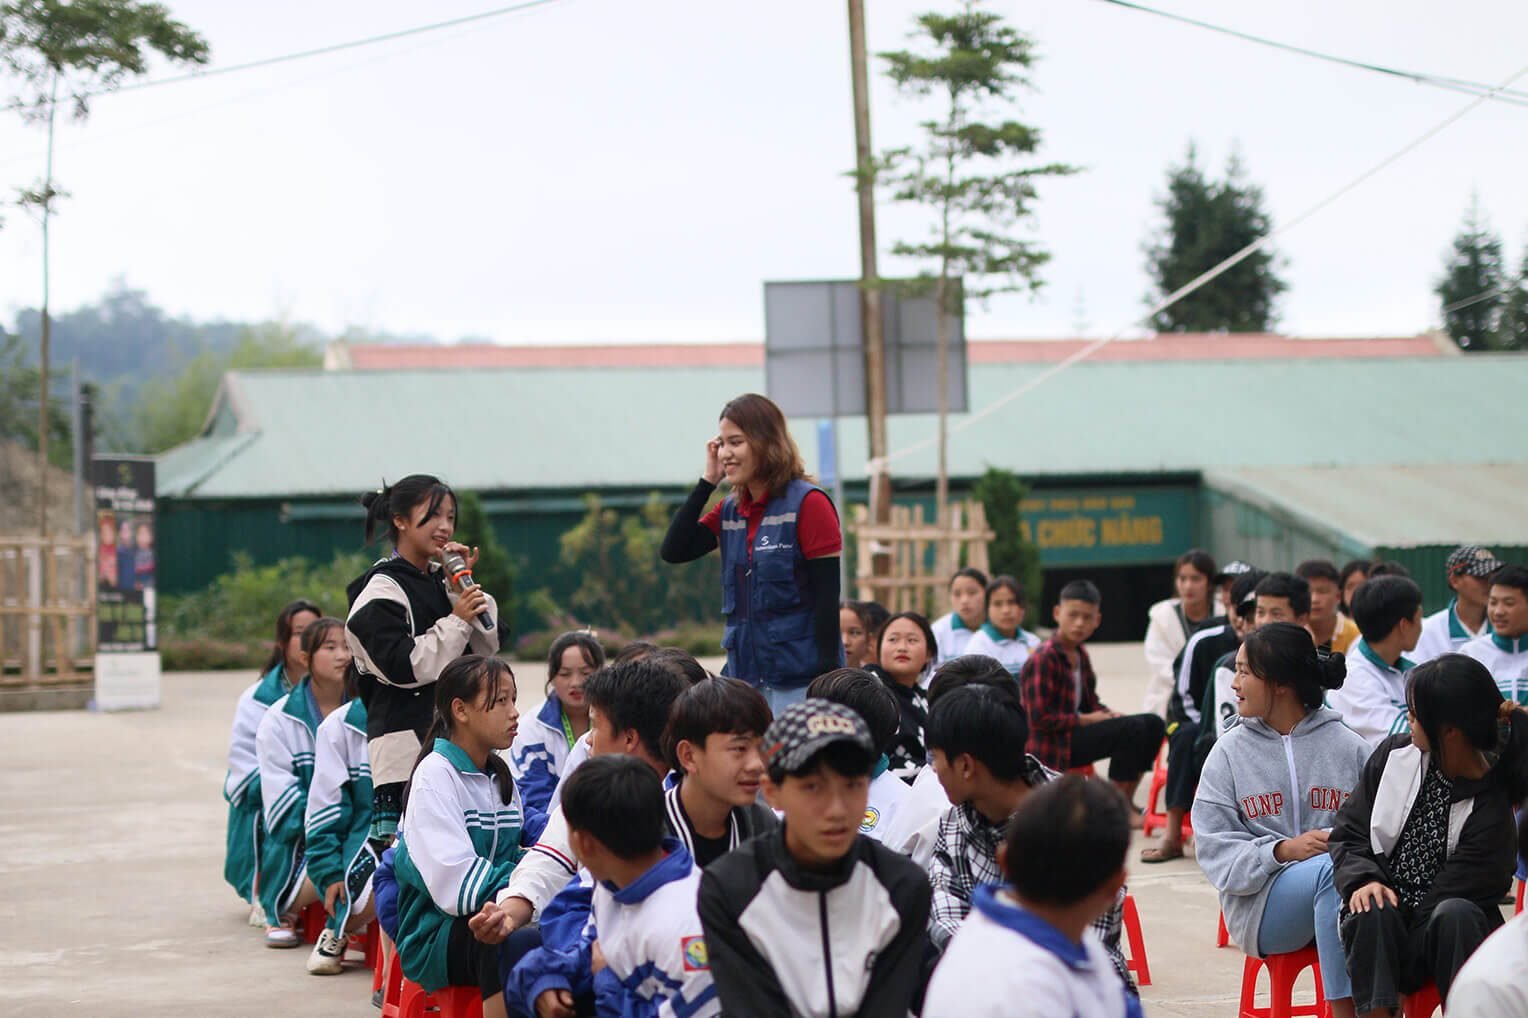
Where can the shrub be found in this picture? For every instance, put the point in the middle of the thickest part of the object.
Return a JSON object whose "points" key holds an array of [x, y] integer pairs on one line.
{"points": [[240, 607]]}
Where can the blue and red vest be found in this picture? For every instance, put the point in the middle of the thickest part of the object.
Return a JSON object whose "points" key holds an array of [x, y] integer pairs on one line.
{"points": [[770, 638]]}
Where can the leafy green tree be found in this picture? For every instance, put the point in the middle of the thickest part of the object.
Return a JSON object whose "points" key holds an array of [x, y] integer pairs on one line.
{"points": [[1204, 223], [1002, 494], [173, 410], [973, 172], [18, 404], [1512, 332], [494, 570], [1472, 289]]}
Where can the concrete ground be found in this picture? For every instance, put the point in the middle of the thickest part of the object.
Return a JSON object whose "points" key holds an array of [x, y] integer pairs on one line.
{"points": [[113, 902]]}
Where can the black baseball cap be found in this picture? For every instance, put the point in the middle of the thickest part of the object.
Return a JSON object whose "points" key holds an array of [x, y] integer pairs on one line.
{"points": [[1231, 570]]}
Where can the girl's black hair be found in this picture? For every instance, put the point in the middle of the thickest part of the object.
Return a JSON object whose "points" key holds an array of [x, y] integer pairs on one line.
{"points": [[1202, 561], [313, 638], [867, 696], [1285, 654], [872, 615], [970, 573], [284, 632], [1357, 565], [1005, 582], [470, 678], [402, 498], [1458, 691], [593, 653], [917, 619]]}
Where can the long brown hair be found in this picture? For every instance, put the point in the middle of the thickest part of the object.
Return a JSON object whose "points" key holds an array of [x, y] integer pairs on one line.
{"points": [[760, 419]]}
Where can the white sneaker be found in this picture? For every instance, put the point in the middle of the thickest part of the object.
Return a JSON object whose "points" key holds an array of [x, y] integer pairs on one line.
{"points": [[283, 935], [256, 916], [328, 957]]}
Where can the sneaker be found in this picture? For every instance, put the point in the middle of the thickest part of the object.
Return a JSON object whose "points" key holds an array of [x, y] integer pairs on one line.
{"points": [[328, 957], [283, 935], [256, 916]]}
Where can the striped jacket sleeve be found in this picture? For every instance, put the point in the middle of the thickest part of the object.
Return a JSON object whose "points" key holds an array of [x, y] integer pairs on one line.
{"points": [[285, 800], [458, 879], [380, 633], [546, 868], [327, 819], [243, 765], [531, 763]]}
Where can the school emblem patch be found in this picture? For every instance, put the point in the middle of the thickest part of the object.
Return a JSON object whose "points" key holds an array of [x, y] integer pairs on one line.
{"points": [[872, 817], [696, 958]]}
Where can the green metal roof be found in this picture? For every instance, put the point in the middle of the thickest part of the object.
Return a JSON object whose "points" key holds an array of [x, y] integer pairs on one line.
{"points": [[297, 433], [1393, 506]]}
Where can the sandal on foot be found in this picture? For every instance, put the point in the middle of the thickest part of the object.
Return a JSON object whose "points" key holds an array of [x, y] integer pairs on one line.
{"points": [[1161, 853]]}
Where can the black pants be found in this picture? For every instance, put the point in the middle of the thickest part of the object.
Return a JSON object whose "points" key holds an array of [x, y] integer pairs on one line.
{"points": [[1390, 952], [470, 962], [1131, 744], [1185, 762]]}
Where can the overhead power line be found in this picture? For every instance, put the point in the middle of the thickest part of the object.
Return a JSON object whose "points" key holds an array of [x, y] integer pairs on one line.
{"points": [[1460, 305], [1514, 96], [1205, 277], [319, 51]]}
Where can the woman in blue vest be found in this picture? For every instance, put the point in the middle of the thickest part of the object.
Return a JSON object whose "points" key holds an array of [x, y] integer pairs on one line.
{"points": [[780, 541]]}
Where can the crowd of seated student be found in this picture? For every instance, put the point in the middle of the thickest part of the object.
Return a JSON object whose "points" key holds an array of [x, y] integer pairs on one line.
{"points": [[698, 856]]}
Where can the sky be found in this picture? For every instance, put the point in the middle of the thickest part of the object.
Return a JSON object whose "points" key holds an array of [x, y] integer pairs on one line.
{"points": [[605, 171]]}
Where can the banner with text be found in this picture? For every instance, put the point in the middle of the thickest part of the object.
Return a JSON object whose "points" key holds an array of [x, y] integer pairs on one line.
{"points": [[124, 498], [1109, 527]]}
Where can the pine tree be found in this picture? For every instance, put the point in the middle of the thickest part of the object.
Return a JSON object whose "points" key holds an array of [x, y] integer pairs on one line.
{"points": [[1512, 330], [1471, 287], [1205, 222]]}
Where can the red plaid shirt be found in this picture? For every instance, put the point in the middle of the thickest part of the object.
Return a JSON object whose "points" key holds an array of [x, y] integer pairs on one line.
{"points": [[1048, 685]]}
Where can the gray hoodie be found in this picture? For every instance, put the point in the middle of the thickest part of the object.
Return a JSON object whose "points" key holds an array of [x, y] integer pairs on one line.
{"points": [[1259, 788]]}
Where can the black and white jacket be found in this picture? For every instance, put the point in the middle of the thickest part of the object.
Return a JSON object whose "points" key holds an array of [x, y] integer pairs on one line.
{"points": [[785, 942], [402, 634], [1482, 847]]}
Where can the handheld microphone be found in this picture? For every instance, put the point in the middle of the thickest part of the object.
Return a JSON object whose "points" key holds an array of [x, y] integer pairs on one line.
{"points": [[461, 578]]}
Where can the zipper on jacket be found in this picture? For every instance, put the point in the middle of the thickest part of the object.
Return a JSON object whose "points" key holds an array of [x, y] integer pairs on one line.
{"points": [[827, 952], [1294, 784]]}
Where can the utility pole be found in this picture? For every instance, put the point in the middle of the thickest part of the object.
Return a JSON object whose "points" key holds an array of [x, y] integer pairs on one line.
{"points": [[870, 283], [42, 359]]}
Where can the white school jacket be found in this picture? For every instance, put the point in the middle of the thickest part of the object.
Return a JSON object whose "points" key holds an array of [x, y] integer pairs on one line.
{"points": [[950, 637], [914, 830], [887, 794], [1507, 661], [1011, 653], [1444, 632], [1372, 700]]}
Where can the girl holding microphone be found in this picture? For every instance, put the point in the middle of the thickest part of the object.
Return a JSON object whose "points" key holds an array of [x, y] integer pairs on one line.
{"points": [[780, 542]]}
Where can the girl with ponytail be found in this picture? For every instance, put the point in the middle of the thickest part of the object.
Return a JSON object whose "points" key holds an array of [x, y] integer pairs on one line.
{"points": [[464, 829], [1270, 792], [1425, 848], [405, 625]]}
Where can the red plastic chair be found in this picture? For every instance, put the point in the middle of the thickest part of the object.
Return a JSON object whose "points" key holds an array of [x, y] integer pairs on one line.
{"points": [[372, 954], [392, 980], [1421, 1004], [1152, 819], [1136, 961], [1222, 935], [311, 921], [448, 1002], [1518, 908], [1086, 771], [1283, 971]]}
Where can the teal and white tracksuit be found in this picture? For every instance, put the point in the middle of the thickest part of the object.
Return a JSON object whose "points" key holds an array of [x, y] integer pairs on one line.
{"points": [[1507, 660], [1372, 700], [1443, 632], [241, 787], [1011, 651], [338, 816], [457, 845], [284, 747]]}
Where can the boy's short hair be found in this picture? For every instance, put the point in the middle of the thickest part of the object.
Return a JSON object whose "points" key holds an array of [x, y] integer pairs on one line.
{"points": [[1382, 602], [867, 696], [983, 722], [1389, 567], [636, 696], [1515, 577], [1066, 840], [1081, 590], [968, 670], [618, 800], [636, 650], [728, 706], [816, 733], [1318, 569], [1288, 586], [681, 662]]}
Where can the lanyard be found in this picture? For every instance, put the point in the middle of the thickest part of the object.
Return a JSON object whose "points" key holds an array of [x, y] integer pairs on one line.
{"points": [[567, 729]]}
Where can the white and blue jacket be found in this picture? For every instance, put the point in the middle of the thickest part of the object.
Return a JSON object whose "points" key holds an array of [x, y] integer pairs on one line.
{"points": [[338, 816], [1507, 661], [284, 747], [1011, 652], [539, 754], [656, 962]]}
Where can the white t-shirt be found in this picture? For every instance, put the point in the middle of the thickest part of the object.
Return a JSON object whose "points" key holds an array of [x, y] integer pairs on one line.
{"points": [[1006, 962], [887, 794], [1494, 982]]}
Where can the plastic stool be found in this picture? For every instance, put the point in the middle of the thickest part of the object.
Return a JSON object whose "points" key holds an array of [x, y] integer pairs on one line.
{"points": [[1086, 771], [1152, 819], [1283, 970], [1421, 1004], [392, 980], [1136, 962], [447, 1002], [1222, 935], [1518, 908], [372, 954], [311, 921]]}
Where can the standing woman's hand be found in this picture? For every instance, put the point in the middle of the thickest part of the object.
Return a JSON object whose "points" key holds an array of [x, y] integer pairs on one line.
{"points": [[713, 471]]}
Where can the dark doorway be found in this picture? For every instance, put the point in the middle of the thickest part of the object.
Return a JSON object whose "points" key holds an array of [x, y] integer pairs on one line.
{"points": [[1128, 593]]}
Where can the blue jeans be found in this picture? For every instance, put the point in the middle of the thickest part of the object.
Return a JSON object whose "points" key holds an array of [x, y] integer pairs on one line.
{"points": [[779, 699], [1303, 905]]}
